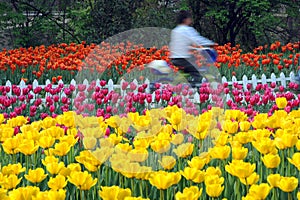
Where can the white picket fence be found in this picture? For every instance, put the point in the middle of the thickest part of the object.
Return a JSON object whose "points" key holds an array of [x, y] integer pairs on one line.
{"points": [[281, 80]]}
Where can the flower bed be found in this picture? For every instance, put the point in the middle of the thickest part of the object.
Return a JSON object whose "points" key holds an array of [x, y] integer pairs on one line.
{"points": [[63, 61], [52, 100], [156, 155]]}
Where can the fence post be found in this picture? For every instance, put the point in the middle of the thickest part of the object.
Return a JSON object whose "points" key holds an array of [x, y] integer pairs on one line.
{"points": [[245, 82], [148, 86], [273, 78], [8, 84], [263, 79], [224, 80], [234, 80], [282, 80], [254, 81], [137, 85], [110, 85], [292, 77]]}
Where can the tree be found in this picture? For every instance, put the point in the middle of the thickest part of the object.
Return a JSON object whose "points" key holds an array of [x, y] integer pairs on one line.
{"points": [[235, 20], [32, 23]]}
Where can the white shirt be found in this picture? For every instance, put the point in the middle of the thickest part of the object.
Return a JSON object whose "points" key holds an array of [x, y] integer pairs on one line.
{"points": [[182, 37]]}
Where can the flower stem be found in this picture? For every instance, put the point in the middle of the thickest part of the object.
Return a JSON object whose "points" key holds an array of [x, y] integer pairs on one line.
{"points": [[161, 192], [290, 196]]}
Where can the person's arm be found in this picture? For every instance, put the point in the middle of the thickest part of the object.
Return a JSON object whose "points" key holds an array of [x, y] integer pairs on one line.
{"points": [[199, 40]]}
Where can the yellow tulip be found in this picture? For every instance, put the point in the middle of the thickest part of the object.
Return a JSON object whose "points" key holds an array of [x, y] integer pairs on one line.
{"points": [[235, 115], [250, 180], [167, 162], [2, 118], [260, 191], [281, 102], [191, 193], [214, 179], [57, 183], [295, 160], [29, 192], [240, 168], [243, 137], [163, 180], [175, 116], [220, 152], [114, 139], [70, 139], [61, 149], [133, 170], [46, 141], [49, 159], [48, 122], [184, 150], [289, 140], [123, 147], [193, 174], [27, 147], [138, 155], [55, 167], [6, 132], [15, 169], [239, 153], [69, 119], [298, 195], [65, 171], [128, 169], [55, 131], [114, 192], [197, 162], [160, 146], [214, 190], [136, 198], [100, 155], [260, 120], [10, 181], [35, 176], [245, 125], [288, 184], [213, 171], [3, 194], [298, 145], [89, 142], [222, 139], [82, 180], [265, 146], [141, 143], [164, 136], [74, 167], [230, 127], [274, 180], [271, 160], [177, 139], [51, 195], [10, 145]]}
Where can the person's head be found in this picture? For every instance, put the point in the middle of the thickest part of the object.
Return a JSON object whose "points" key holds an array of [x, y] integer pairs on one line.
{"points": [[184, 17]]}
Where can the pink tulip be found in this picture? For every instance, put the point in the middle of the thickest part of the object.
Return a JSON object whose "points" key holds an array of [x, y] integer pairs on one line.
{"points": [[108, 109], [52, 108], [281, 88], [81, 87], [102, 83]]}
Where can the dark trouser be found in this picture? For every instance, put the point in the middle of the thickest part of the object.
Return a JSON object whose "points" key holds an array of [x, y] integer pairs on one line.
{"points": [[186, 66]]}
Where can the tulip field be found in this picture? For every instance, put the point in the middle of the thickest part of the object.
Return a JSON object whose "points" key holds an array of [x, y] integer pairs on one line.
{"points": [[65, 141]]}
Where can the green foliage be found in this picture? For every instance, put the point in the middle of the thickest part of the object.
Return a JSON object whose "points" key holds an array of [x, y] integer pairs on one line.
{"points": [[248, 22], [154, 13]]}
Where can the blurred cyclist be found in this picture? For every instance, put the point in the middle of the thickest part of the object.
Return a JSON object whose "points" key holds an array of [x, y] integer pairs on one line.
{"points": [[183, 36]]}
